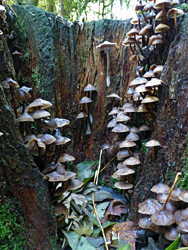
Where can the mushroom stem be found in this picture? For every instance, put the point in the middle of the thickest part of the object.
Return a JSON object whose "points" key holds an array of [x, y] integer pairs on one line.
{"points": [[153, 153], [175, 22], [107, 68], [164, 12], [175, 181]]}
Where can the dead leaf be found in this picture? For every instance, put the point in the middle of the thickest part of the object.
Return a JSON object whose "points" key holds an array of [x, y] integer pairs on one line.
{"points": [[116, 208]]}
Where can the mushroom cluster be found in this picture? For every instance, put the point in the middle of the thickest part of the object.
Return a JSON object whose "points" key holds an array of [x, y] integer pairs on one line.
{"points": [[168, 214]]}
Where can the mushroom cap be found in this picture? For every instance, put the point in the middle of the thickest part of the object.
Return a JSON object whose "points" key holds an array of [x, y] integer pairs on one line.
{"points": [[16, 52], [150, 99], [135, 20], [66, 157], [145, 223], [184, 213], [162, 197], [171, 13], [132, 32], [184, 239], [22, 93], [132, 137], [183, 226], [141, 89], [60, 168], [144, 128], [158, 70], [153, 82], [1, 133], [125, 171], [148, 7], [123, 185], [152, 143], [159, 3], [114, 111], [183, 196], [61, 209], [61, 140], [154, 37], [175, 193], [175, 3], [61, 122], [130, 92], [146, 29], [90, 87], [131, 161], [163, 218], [129, 109], [56, 177], [157, 41], [38, 103], [122, 155], [10, 82], [128, 41], [171, 234], [105, 45], [127, 144], [121, 117], [138, 81], [25, 117], [160, 188], [142, 108], [177, 216], [114, 95], [161, 27], [134, 130], [149, 74], [73, 184], [48, 139], [120, 128], [40, 113], [81, 115], [112, 123], [171, 207], [149, 206], [85, 99]]}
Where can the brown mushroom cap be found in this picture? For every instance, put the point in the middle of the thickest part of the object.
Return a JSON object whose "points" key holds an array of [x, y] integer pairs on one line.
{"points": [[122, 155], [158, 70], [162, 197], [138, 81], [132, 161], [171, 234], [145, 223], [153, 83], [61, 140], [163, 218], [153, 143], [159, 3], [149, 74], [142, 108], [125, 171], [90, 87], [128, 41], [120, 128], [66, 157], [38, 103], [175, 193], [159, 16], [73, 184], [184, 239], [160, 188], [149, 206], [121, 117], [40, 113], [61, 209], [172, 12], [105, 45], [141, 89], [145, 30], [150, 99], [25, 117], [161, 28], [85, 99], [112, 123], [10, 82], [144, 128], [81, 115], [134, 130], [127, 144], [113, 95], [48, 139], [114, 111], [132, 32], [61, 122], [123, 185], [183, 226], [132, 137], [56, 177], [171, 207], [177, 216], [157, 41], [183, 196], [184, 213]]}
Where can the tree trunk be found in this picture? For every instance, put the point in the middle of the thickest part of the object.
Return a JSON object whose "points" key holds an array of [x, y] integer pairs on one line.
{"points": [[61, 11]]}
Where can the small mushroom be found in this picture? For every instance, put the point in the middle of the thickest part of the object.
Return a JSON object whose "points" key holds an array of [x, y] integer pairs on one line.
{"points": [[153, 144], [174, 13]]}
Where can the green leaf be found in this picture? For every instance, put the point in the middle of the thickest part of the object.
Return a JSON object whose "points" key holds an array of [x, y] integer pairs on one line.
{"points": [[126, 247], [174, 245], [107, 224], [96, 232], [85, 170], [101, 208], [73, 239], [85, 245], [85, 226]]}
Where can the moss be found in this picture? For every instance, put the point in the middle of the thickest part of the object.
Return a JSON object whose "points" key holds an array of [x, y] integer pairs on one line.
{"points": [[183, 182], [10, 228], [53, 242]]}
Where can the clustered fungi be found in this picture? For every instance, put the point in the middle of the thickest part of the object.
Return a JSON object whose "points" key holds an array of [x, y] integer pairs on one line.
{"points": [[168, 215]]}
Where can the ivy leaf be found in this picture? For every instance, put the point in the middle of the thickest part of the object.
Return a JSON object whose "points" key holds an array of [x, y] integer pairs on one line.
{"points": [[85, 245], [85, 226], [85, 170], [73, 239]]}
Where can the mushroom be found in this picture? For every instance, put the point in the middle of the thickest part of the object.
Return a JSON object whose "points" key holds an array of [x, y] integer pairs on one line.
{"points": [[89, 88], [105, 46], [174, 13], [85, 101], [163, 218], [153, 144], [149, 206], [160, 188], [145, 223], [171, 234], [161, 4]]}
